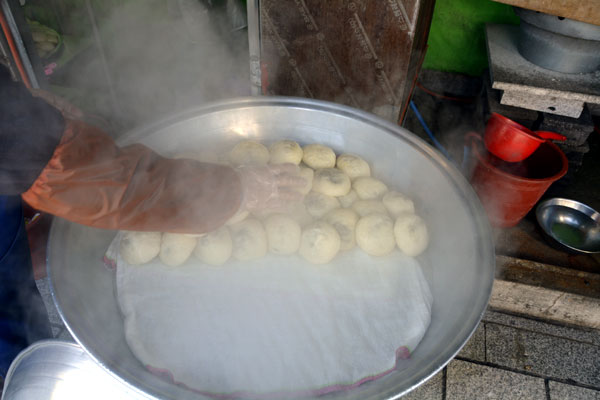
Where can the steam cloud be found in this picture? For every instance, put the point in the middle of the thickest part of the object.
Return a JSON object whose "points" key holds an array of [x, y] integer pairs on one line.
{"points": [[162, 56]]}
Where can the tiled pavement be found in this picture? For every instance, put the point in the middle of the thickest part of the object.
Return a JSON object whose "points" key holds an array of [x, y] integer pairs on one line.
{"points": [[507, 358], [511, 357]]}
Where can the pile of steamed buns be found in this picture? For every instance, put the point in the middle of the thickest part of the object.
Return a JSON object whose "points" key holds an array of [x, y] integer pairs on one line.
{"points": [[344, 207]]}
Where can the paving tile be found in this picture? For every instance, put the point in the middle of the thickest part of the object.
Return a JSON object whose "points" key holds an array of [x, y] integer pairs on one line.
{"points": [[43, 286], [561, 391], [542, 354], [466, 381], [430, 390], [475, 347], [590, 336]]}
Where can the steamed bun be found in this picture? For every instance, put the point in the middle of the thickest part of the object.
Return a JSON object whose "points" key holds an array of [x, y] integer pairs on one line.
{"points": [[283, 234], [285, 151], [176, 248], [320, 243], [138, 248], [249, 152], [397, 203], [318, 156], [344, 221], [411, 234], [319, 204], [215, 248], [353, 166], [375, 234], [331, 181], [249, 240], [368, 188]]}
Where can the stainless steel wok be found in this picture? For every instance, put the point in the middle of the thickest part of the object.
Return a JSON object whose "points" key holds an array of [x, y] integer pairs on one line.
{"points": [[459, 264]]}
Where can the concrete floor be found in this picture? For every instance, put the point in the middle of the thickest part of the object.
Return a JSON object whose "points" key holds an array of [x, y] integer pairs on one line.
{"points": [[508, 357]]}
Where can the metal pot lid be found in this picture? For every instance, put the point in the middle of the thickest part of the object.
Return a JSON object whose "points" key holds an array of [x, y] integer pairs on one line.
{"points": [[560, 25], [53, 369]]}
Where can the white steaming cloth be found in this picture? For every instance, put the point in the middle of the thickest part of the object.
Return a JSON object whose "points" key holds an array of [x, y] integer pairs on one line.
{"points": [[274, 325]]}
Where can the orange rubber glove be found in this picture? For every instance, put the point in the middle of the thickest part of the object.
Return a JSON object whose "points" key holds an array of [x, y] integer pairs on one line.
{"points": [[91, 181]]}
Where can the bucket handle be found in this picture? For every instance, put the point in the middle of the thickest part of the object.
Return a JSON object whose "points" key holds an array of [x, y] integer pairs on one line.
{"points": [[551, 135]]}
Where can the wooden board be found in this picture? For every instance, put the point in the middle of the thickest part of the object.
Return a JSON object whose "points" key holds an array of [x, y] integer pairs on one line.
{"points": [[584, 11]]}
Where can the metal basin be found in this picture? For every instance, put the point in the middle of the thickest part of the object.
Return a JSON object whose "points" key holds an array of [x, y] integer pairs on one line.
{"points": [[459, 264], [570, 225], [52, 369]]}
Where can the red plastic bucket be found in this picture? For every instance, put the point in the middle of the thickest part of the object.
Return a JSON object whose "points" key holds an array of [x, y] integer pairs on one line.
{"points": [[509, 190]]}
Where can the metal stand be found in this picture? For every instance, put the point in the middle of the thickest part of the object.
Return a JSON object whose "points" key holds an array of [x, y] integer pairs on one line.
{"points": [[254, 46]]}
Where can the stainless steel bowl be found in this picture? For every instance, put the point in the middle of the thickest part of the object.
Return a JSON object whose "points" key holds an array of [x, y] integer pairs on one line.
{"points": [[459, 264], [571, 225], [52, 369]]}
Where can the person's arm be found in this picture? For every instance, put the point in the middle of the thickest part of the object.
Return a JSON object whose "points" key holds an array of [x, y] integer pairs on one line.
{"points": [[73, 170], [30, 130], [92, 181]]}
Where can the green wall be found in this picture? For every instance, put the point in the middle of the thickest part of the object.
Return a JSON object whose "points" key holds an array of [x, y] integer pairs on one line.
{"points": [[457, 36]]}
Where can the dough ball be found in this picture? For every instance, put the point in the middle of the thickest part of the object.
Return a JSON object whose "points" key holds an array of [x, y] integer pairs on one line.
{"points": [[368, 188], [320, 243], [318, 156], [375, 234], [238, 217], [397, 203], [176, 248], [283, 234], [138, 248], [331, 181], [308, 174], [285, 151], [368, 207], [353, 166], [215, 248], [249, 240], [298, 213], [344, 221], [411, 234], [318, 204], [249, 152], [347, 200]]}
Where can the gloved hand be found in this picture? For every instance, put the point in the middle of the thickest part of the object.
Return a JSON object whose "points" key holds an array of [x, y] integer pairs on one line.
{"points": [[270, 187], [92, 181]]}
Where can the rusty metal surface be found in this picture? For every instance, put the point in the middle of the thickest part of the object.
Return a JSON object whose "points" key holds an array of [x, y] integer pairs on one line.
{"points": [[363, 54]]}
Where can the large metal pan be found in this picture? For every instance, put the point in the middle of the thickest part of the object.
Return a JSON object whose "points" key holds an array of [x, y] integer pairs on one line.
{"points": [[459, 264]]}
